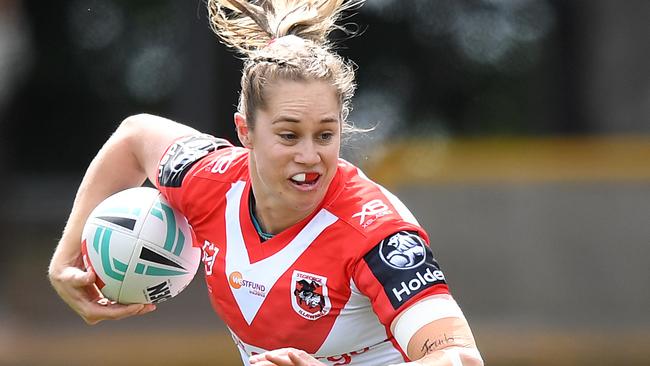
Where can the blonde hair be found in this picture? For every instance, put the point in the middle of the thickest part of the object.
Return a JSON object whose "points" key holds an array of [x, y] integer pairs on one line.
{"points": [[284, 40]]}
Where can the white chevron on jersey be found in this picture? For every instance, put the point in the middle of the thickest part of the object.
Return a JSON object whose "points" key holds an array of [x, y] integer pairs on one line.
{"points": [[255, 286], [266, 272], [355, 327]]}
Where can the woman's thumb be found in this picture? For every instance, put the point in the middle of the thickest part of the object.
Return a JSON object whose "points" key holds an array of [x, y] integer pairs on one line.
{"points": [[81, 278]]}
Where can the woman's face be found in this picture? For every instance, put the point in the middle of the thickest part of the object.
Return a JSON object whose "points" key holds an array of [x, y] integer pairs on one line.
{"points": [[295, 143]]}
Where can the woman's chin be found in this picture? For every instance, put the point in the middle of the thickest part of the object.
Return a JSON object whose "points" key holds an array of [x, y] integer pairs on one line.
{"points": [[306, 202]]}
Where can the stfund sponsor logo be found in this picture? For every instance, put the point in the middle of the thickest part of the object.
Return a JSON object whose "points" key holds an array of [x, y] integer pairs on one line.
{"points": [[405, 288], [237, 281]]}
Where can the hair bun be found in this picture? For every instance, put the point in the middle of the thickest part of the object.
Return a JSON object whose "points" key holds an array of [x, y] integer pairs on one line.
{"points": [[248, 26]]}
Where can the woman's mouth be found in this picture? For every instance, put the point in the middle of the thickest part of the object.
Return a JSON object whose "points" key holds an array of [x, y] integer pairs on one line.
{"points": [[305, 181]]}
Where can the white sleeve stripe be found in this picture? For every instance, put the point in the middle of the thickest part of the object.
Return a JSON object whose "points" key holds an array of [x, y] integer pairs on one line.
{"points": [[401, 208], [421, 314]]}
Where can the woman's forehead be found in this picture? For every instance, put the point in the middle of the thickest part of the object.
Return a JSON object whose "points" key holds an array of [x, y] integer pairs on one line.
{"points": [[314, 97]]}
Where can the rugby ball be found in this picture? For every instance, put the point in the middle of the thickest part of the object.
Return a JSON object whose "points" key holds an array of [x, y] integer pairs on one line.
{"points": [[139, 247]]}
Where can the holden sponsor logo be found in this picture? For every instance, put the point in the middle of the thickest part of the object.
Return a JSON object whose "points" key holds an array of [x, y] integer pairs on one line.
{"points": [[405, 288], [371, 211], [179, 158], [237, 281], [403, 250], [173, 150], [183, 154], [309, 295]]}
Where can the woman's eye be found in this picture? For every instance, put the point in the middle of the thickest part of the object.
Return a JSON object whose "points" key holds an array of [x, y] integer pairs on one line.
{"points": [[326, 136], [288, 136]]}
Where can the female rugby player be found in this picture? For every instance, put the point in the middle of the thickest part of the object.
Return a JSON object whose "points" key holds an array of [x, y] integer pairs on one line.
{"points": [[306, 260]]}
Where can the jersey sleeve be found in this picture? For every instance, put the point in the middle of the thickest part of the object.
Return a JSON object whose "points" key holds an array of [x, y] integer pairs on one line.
{"points": [[181, 158], [397, 272]]}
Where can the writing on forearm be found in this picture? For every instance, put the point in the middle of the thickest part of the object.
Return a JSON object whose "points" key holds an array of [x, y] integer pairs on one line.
{"points": [[433, 344]]}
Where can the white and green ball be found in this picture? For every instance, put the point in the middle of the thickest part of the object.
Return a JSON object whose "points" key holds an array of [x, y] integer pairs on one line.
{"points": [[139, 247]]}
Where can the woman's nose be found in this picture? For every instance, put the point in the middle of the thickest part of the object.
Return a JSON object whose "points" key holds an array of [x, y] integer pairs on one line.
{"points": [[307, 153]]}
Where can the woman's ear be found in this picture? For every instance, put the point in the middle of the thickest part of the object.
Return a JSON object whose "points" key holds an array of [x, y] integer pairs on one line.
{"points": [[242, 130]]}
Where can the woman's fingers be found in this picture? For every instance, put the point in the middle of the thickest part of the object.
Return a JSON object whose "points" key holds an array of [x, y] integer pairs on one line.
{"points": [[77, 288], [100, 310], [284, 357]]}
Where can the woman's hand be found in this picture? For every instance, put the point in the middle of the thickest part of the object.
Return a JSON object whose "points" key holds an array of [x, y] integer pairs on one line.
{"points": [[77, 288], [284, 357], [129, 156]]}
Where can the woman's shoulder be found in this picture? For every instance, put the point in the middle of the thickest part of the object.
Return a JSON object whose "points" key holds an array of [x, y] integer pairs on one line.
{"points": [[366, 206], [201, 164], [193, 154], [229, 163]]}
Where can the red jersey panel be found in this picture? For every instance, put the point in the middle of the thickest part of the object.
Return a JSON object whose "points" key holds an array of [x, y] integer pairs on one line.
{"points": [[330, 285]]}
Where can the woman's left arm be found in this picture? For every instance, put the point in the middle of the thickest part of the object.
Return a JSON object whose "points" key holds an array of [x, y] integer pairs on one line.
{"points": [[434, 332]]}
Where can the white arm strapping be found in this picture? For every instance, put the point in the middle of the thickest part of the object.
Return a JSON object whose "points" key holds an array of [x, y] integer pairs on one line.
{"points": [[421, 314]]}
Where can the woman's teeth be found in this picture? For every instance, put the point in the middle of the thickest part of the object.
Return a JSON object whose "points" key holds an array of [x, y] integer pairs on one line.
{"points": [[299, 177], [303, 178]]}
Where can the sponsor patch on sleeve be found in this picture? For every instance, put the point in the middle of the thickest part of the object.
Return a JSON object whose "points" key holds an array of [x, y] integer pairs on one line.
{"points": [[404, 265], [183, 154]]}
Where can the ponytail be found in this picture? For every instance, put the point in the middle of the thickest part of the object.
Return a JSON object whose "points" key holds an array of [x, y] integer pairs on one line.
{"points": [[246, 26], [284, 40]]}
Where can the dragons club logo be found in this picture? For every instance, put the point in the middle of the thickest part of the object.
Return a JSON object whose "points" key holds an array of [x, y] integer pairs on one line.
{"points": [[309, 295]]}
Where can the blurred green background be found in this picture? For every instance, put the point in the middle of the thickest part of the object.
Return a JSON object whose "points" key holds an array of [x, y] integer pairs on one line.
{"points": [[518, 132]]}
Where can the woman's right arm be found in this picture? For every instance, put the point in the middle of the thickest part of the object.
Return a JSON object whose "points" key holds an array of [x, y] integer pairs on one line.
{"points": [[129, 156]]}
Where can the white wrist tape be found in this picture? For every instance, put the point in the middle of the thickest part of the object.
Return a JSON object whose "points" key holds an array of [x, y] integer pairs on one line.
{"points": [[421, 314]]}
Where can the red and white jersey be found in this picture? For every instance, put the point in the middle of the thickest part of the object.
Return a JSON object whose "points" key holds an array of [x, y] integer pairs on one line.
{"points": [[330, 285]]}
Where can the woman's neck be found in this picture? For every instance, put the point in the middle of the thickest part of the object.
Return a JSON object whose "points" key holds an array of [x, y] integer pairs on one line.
{"points": [[274, 212], [275, 218]]}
